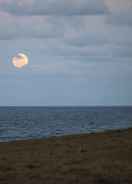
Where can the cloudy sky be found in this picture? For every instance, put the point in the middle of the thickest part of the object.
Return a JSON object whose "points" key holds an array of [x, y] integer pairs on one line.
{"points": [[80, 52]]}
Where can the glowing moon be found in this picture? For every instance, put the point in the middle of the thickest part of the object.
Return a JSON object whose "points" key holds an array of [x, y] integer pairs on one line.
{"points": [[20, 60]]}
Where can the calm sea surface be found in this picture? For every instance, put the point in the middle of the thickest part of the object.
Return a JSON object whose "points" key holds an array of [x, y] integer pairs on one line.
{"points": [[38, 122]]}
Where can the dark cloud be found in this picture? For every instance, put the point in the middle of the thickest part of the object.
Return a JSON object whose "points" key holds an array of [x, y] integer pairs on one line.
{"points": [[87, 39], [28, 28], [120, 18], [75, 30], [56, 7], [86, 36], [122, 51], [120, 12]]}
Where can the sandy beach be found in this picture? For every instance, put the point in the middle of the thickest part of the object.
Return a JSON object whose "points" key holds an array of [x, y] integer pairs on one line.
{"points": [[90, 158]]}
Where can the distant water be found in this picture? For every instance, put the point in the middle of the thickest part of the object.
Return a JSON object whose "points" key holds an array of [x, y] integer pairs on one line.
{"points": [[37, 122]]}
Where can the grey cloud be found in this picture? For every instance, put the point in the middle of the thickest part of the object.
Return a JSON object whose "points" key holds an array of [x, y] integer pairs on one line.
{"points": [[77, 37], [56, 7], [120, 18], [120, 12], [72, 56], [86, 39], [75, 30], [35, 27], [122, 51]]}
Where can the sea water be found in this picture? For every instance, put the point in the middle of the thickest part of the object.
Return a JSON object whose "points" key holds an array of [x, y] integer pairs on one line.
{"points": [[18, 123]]}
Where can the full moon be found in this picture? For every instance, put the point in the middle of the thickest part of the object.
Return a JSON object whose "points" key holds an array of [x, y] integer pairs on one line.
{"points": [[20, 60]]}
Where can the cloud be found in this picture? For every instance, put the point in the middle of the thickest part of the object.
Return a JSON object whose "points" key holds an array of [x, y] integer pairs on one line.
{"points": [[122, 51], [74, 30], [121, 18], [27, 27], [120, 12], [86, 37], [74, 47], [53, 7]]}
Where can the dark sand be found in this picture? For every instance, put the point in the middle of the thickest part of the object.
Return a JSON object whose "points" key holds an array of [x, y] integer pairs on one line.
{"points": [[95, 158]]}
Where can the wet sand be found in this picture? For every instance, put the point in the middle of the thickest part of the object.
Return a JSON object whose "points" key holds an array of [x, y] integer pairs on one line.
{"points": [[85, 159]]}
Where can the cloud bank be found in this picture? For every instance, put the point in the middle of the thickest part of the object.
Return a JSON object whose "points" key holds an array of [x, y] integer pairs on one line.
{"points": [[88, 43], [53, 7]]}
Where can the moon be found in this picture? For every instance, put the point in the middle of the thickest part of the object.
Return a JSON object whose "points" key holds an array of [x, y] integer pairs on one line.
{"points": [[20, 60]]}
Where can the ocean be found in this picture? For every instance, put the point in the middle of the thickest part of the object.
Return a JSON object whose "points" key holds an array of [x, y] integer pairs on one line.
{"points": [[20, 123]]}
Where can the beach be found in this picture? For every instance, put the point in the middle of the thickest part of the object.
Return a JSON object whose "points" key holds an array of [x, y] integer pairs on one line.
{"points": [[87, 158]]}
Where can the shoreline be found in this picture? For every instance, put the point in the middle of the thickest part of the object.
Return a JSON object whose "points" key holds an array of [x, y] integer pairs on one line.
{"points": [[103, 157], [96, 132]]}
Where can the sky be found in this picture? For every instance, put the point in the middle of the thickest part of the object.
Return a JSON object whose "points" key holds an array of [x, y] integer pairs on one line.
{"points": [[79, 51]]}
